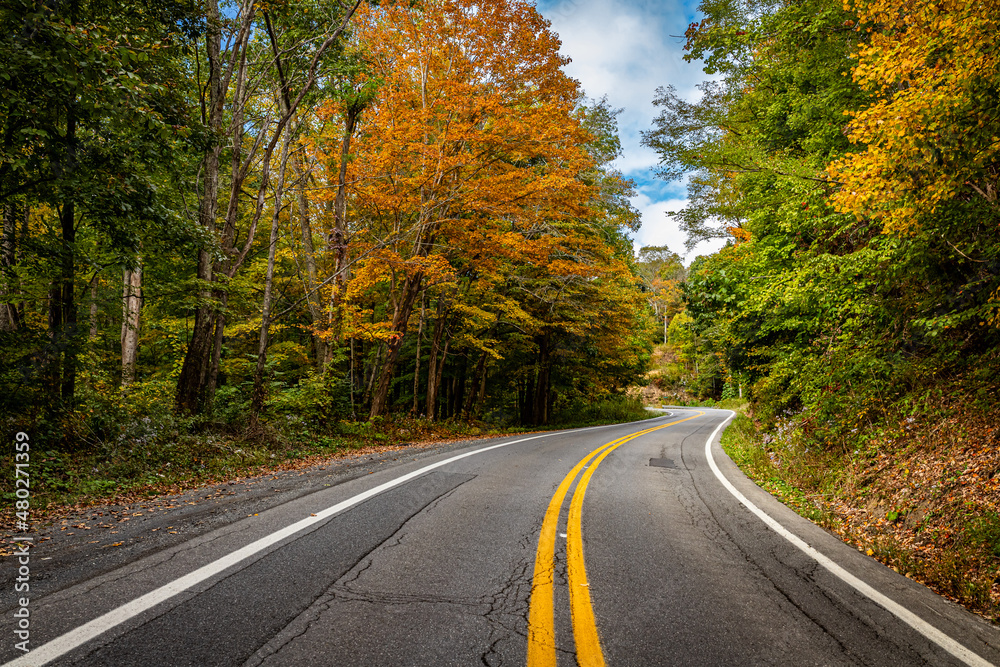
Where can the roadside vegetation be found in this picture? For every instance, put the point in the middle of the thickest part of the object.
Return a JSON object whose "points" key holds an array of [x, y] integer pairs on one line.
{"points": [[166, 455], [920, 495], [848, 154]]}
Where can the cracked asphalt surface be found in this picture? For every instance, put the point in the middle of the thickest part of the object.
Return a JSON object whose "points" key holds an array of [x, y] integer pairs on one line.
{"points": [[438, 570]]}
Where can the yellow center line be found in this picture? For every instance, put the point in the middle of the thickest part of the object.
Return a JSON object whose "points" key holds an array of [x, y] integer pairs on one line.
{"points": [[541, 613]]}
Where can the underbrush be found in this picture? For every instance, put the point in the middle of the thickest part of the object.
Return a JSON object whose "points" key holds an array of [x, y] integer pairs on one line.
{"points": [[781, 467], [166, 460], [920, 491]]}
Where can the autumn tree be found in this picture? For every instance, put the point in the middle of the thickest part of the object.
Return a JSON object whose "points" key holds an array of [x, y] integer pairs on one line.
{"points": [[929, 136], [257, 78], [662, 272], [855, 195], [472, 130], [928, 168]]}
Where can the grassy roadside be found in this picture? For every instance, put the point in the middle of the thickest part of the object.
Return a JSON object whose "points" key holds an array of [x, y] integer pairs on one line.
{"points": [[921, 495], [172, 458]]}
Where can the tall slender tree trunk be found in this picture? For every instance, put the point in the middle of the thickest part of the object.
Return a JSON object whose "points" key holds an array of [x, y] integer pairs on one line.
{"points": [[528, 400], [338, 239], [66, 332], [541, 407], [19, 256], [442, 361], [191, 384], [68, 303], [320, 336], [401, 317], [218, 337], [10, 319], [131, 309], [62, 359], [482, 394], [433, 368], [259, 392], [94, 329], [457, 397], [366, 397], [476, 385], [53, 358], [415, 410], [353, 375]]}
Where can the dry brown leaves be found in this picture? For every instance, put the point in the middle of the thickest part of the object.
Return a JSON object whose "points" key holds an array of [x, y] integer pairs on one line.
{"points": [[910, 505]]}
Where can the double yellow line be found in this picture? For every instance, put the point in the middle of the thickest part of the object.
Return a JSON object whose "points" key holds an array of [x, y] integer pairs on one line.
{"points": [[541, 614]]}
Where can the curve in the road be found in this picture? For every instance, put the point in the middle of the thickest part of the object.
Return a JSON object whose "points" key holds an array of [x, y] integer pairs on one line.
{"points": [[541, 617], [439, 560]]}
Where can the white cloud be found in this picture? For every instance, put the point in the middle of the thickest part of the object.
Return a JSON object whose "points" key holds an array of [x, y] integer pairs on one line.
{"points": [[625, 49], [659, 229]]}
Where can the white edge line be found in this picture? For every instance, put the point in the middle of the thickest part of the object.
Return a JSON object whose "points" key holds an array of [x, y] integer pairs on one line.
{"points": [[901, 612], [65, 643]]}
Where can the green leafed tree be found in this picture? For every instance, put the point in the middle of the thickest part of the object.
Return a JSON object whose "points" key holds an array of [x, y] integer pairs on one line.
{"points": [[91, 123]]}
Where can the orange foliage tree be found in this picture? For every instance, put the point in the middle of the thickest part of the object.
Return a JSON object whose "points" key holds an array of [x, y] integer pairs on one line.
{"points": [[470, 155]]}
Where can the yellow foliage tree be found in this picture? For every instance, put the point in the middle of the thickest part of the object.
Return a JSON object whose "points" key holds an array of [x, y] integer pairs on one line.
{"points": [[932, 133]]}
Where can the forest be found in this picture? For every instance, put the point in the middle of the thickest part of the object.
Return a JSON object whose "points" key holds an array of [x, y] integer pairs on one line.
{"points": [[250, 216], [850, 154]]}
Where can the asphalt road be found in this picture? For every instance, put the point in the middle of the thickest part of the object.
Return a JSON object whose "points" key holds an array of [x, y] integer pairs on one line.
{"points": [[440, 558]]}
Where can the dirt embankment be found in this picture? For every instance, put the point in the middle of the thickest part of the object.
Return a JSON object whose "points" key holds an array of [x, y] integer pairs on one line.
{"points": [[926, 501]]}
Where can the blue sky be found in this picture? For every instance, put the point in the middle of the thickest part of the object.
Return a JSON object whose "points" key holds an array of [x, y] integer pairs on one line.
{"points": [[624, 49]]}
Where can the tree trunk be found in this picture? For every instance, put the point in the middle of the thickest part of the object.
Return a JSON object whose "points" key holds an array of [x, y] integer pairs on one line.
{"points": [[259, 393], [366, 397], [482, 394], [53, 357], [131, 307], [414, 411], [433, 367], [94, 330], [541, 407], [320, 338], [400, 320], [20, 256], [62, 359], [353, 374], [338, 240], [10, 319], [440, 377], [528, 400], [66, 334], [458, 393], [218, 338], [476, 385], [191, 384]]}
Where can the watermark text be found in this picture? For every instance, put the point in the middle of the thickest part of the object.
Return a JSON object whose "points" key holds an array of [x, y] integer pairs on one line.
{"points": [[22, 543]]}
